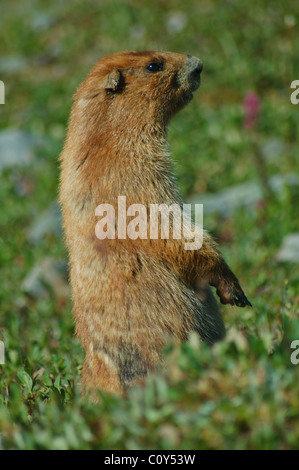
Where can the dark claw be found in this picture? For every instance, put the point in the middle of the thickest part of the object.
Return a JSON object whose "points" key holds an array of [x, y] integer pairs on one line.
{"points": [[233, 298], [241, 301]]}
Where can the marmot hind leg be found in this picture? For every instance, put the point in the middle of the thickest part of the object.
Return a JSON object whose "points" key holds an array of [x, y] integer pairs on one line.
{"points": [[99, 374]]}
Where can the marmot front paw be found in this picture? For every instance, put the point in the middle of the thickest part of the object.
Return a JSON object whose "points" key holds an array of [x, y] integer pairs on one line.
{"points": [[232, 293]]}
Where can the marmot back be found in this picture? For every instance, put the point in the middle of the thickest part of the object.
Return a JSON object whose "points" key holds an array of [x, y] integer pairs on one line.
{"points": [[131, 294]]}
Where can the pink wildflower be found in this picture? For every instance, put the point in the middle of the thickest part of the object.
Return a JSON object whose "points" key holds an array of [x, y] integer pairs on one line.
{"points": [[252, 109]]}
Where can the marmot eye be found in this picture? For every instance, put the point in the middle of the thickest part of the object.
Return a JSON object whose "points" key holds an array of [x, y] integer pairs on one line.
{"points": [[154, 67]]}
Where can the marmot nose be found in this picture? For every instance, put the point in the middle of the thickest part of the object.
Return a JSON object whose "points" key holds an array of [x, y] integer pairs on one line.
{"points": [[195, 65], [189, 76], [198, 68]]}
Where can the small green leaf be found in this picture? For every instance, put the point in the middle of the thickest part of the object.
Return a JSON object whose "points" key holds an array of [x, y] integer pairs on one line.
{"points": [[26, 380]]}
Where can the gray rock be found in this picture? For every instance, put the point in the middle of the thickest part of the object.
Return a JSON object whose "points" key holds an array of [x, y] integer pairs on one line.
{"points": [[50, 222], [227, 201], [176, 22], [273, 148], [43, 21], [17, 148], [289, 251], [12, 64], [47, 276]]}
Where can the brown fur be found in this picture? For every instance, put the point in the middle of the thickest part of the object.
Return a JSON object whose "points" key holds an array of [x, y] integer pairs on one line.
{"points": [[131, 296]]}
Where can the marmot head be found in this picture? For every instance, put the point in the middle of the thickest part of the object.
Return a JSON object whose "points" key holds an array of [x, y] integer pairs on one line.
{"points": [[139, 89]]}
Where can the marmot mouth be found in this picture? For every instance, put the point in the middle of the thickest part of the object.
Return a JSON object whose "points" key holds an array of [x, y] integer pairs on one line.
{"points": [[195, 84], [187, 96]]}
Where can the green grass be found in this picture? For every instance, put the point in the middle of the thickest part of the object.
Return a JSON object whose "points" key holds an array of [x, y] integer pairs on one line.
{"points": [[242, 394]]}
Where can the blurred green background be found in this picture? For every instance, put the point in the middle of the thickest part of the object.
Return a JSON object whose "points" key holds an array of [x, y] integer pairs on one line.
{"points": [[242, 394]]}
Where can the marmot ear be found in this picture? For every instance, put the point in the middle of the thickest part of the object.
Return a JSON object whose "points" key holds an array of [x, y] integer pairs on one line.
{"points": [[113, 81]]}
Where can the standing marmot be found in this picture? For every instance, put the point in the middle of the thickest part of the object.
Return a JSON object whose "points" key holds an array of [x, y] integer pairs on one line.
{"points": [[130, 296]]}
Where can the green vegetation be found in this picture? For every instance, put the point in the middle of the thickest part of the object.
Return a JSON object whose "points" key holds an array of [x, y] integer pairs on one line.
{"points": [[244, 392]]}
